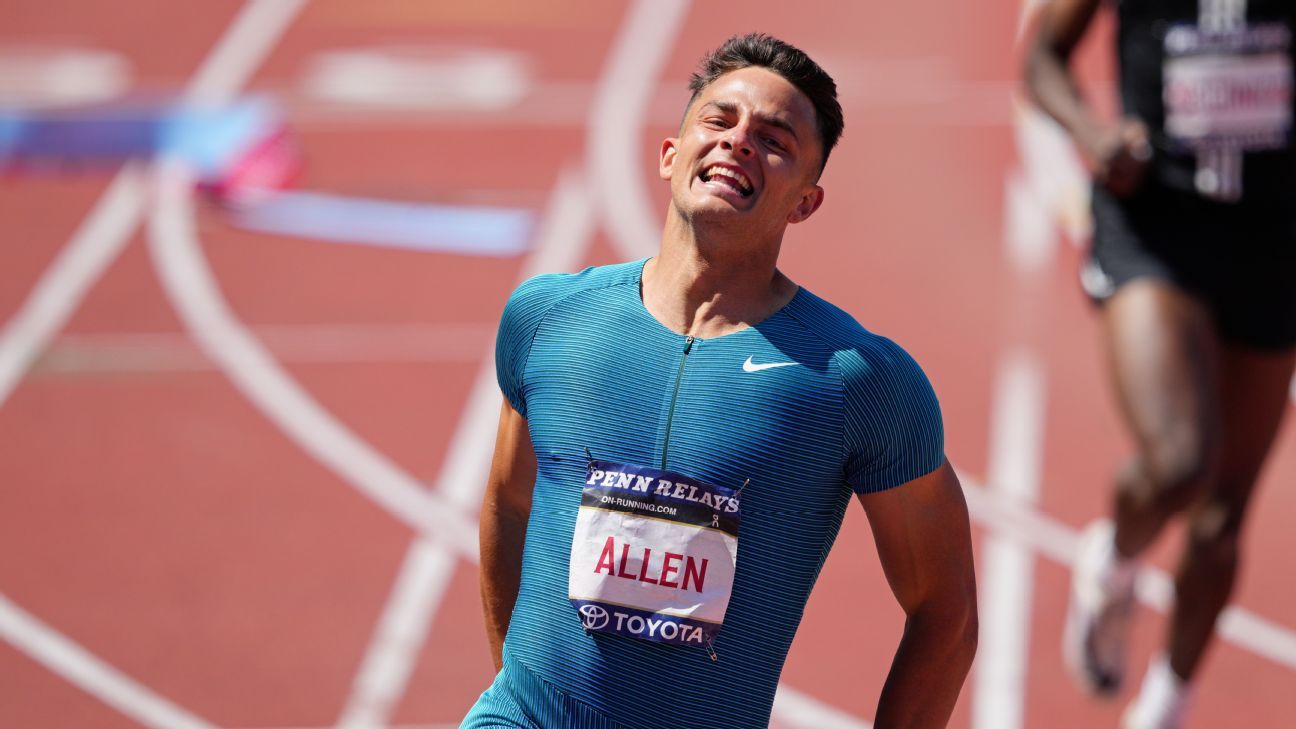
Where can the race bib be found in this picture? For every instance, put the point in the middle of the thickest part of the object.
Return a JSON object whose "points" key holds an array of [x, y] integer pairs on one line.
{"points": [[1228, 89], [653, 554]]}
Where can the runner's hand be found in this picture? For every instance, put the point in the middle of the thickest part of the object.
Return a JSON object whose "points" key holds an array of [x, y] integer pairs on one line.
{"points": [[1120, 154]]}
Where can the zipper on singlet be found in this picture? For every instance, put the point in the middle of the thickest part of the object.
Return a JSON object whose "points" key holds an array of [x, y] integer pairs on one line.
{"points": [[670, 415]]}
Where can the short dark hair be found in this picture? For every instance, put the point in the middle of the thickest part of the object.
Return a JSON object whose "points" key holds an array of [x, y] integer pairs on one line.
{"points": [[788, 61]]}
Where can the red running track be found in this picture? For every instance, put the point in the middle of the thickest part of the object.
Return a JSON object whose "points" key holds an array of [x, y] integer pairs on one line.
{"points": [[170, 520]]}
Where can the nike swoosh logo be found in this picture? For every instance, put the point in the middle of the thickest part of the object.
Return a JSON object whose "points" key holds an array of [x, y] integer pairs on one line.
{"points": [[750, 366]]}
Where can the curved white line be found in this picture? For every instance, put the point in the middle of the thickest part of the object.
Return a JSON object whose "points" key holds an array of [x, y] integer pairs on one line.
{"points": [[398, 639], [624, 92], [615, 150], [188, 283], [107, 229], [562, 240], [84, 669], [97, 242]]}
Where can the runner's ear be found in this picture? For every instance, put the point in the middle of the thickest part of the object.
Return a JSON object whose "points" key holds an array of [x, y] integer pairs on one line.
{"points": [[667, 162], [809, 203]]}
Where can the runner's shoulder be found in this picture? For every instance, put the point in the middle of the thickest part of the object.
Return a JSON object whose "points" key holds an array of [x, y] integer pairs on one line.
{"points": [[893, 429], [541, 292], [864, 357]]}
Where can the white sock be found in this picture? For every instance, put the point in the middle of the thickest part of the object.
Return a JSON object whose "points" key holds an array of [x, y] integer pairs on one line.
{"points": [[1163, 699], [1118, 572]]}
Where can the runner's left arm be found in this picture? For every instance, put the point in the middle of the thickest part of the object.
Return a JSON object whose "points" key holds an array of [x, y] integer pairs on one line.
{"points": [[506, 508], [1117, 151], [924, 543]]}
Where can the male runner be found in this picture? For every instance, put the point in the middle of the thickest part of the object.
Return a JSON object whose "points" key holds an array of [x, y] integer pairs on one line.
{"points": [[1194, 264], [681, 436]]}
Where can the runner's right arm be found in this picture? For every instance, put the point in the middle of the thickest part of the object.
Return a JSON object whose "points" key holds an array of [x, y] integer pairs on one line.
{"points": [[504, 513], [924, 544], [1117, 152], [507, 503]]}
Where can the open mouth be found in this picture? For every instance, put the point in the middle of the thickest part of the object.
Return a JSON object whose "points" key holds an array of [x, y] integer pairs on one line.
{"points": [[728, 176]]}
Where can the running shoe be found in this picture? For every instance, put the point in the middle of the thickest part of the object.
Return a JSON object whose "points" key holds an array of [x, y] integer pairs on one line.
{"points": [[1162, 702], [1099, 613]]}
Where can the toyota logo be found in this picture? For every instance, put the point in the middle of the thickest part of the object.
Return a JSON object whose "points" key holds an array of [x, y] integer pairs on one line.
{"points": [[593, 616]]}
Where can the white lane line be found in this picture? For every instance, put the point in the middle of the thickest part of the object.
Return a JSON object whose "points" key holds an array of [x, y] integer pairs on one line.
{"points": [[107, 229], [1057, 541], [290, 343], [1033, 195], [398, 639], [619, 181], [800, 711], [1030, 225], [244, 47], [621, 103], [571, 211], [1052, 179], [1007, 581], [564, 236], [932, 101], [624, 91], [1240, 627], [96, 243], [1019, 523], [82, 668], [192, 290]]}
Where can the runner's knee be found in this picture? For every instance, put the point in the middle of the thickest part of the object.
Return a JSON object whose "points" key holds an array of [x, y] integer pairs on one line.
{"points": [[1215, 526], [1167, 477], [1179, 469]]}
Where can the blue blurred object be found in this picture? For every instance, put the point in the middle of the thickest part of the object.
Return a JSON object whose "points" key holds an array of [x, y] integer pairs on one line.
{"points": [[212, 139], [472, 230]]}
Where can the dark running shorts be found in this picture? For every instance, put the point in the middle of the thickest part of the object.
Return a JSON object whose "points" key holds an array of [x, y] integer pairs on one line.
{"points": [[1239, 259]]}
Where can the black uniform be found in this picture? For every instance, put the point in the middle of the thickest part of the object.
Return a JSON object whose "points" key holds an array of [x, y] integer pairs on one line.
{"points": [[1216, 214]]}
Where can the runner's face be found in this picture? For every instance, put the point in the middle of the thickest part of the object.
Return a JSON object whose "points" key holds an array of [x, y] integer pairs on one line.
{"points": [[748, 145]]}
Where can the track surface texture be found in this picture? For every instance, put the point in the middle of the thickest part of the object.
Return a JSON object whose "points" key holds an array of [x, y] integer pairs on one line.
{"points": [[240, 469]]}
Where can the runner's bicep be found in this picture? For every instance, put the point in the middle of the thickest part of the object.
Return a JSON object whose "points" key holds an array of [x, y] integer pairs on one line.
{"points": [[1061, 24], [513, 465], [924, 540]]}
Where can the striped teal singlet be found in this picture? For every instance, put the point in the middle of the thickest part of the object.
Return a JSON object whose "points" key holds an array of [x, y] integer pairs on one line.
{"points": [[590, 368]]}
